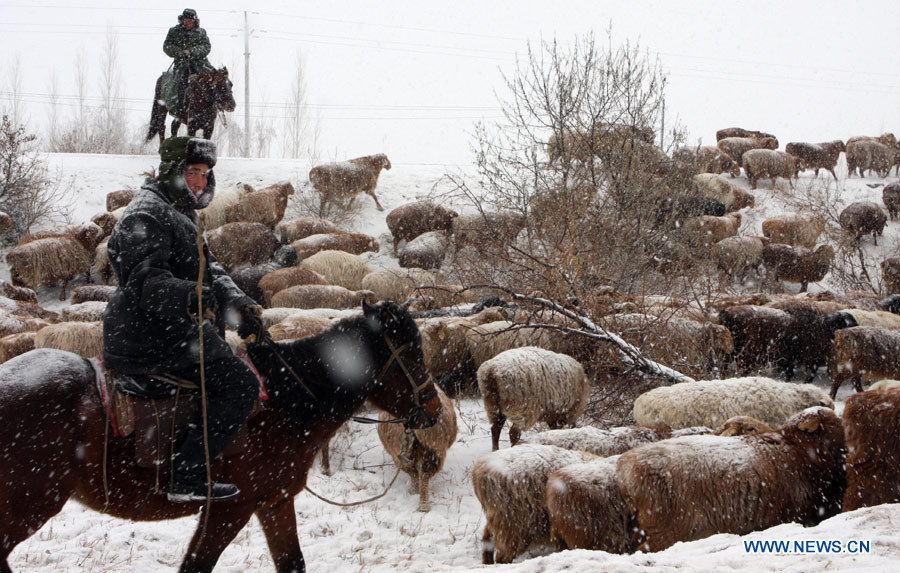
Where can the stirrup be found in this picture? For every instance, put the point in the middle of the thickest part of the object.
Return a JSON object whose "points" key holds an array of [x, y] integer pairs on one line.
{"points": [[196, 491]]}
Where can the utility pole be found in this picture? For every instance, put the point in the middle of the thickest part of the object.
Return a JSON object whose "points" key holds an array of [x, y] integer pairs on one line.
{"points": [[246, 87]]}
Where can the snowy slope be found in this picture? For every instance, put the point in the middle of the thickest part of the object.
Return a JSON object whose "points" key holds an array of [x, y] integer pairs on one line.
{"points": [[389, 535]]}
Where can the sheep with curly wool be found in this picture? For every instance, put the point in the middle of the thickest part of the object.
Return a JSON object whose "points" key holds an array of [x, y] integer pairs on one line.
{"points": [[529, 385], [242, 243], [265, 206], [794, 230], [298, 327], [408, 221], [712, 402], [302, 227], [510, 484], [319, 296], [685, 489], [770, 164], [83, 338], [353, 243], [397, 284], [872, 430], [425, 251], [338, 268], [420, 453], [87, 293], [346, 179], [48, 262], [273, 316]]}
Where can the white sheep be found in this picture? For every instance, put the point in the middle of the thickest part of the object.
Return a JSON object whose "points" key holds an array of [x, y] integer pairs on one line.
{"points": [[90, 311], [770, 164], [425, 251], [214, 213], [397, 284], [83, 338], [422, 452], [510, 485], [609, 442], [529, 385], [488, 340], [338, 268], [302, 227], [354, 243], [712, 402], [794, 230], [346, 179]]}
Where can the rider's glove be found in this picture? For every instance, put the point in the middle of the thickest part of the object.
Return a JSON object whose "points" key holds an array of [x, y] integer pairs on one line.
{"points": [[251, 322]]}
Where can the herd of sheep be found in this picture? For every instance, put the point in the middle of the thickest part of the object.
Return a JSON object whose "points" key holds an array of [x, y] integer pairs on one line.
{"points": [[706, 457]]}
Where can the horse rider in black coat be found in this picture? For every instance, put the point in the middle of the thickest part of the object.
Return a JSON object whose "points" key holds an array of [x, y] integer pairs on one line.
{"points": [[189, 45], [151, 326]]}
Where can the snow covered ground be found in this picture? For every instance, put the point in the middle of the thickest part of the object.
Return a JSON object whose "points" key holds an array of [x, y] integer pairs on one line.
{"points": [[389, 534]]}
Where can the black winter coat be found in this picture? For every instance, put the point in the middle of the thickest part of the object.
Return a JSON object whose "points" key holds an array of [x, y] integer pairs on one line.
{"points": [[147, 328]]}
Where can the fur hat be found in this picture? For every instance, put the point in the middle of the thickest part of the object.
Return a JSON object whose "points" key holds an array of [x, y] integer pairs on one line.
{"points": [[175, 154], [189, 14]]}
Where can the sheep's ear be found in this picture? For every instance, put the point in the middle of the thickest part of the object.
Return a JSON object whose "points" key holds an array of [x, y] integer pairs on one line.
{"points": [[810, 424]]}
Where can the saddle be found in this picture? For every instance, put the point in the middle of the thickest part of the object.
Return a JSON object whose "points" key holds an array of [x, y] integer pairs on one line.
{"points": [[157, 409]]}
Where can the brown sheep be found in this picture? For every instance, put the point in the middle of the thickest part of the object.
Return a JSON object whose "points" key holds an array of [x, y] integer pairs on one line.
{"points": [[87, 235], [872, 429], [706, 159], [797, 264], [318, 296], [735, 147], [48, 262], [280, 279], [817, 155], [769, 164], [864, 353], [707, 230], [303, 227], [298, 327], [420, 453], [425, 251], [479, 228], [529, 385], [338, 268], [730, 194], [13, 345], [582, 145], [890, 195], [760, 480], [12, 323], [27, 309], [861, 218], [871, 155], [586, 508], [92, 292], [83, 338], [408, 221], [23, 294], [511, 486], [890, 275], [346, 179], [397, 284], [116, 199], [885, 138], [265, 206], [794, 230], [353, 243], [740, 132], [241, 243]]}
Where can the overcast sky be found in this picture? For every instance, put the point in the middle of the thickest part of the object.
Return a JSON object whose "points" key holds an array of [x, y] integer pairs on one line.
{"points": [[411, 78]]}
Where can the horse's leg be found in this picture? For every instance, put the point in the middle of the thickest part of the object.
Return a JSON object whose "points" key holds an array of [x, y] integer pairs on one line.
{"points": [[224, 524], [39, 457], [279, 523]]}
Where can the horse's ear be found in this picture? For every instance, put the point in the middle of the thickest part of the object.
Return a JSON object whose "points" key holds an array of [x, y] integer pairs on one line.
{"points": [[368, 309]]}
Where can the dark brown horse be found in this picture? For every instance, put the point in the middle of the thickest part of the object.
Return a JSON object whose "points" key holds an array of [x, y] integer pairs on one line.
{"points": [[53, 428], [206, 95]]}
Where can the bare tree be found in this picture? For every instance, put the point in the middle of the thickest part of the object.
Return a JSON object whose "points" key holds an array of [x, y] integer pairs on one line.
{"points": [[110, 121], [28, 194], [14, 87], [573, 198], [295, 126]]}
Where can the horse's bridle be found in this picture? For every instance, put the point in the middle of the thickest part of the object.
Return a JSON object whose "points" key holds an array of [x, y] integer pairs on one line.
{"points": [[419, 399]]}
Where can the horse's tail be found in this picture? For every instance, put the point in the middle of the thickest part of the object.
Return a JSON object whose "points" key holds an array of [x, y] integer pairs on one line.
{"points": [[157, 113]]}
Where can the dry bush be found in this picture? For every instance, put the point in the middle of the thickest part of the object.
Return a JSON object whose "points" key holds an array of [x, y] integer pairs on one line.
{"points": [[308, 202]]}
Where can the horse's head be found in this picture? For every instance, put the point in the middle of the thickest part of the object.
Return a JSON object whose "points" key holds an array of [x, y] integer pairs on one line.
{"points": [[406, 389], [224, 96]]}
